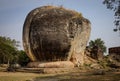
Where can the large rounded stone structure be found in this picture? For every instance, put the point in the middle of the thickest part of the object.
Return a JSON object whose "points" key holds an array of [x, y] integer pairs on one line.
{"points": [[55, 34]]}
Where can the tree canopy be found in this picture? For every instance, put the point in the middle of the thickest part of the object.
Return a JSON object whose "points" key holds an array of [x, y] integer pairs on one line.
{"points": [[23, 58], [99, 43], [8, 49], [115, 6], [9, 52]]}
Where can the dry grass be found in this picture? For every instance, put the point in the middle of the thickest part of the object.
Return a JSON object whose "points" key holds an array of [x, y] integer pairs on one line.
{"points": [[85, 76], [16, 76], [20, 76], [75, 76]]}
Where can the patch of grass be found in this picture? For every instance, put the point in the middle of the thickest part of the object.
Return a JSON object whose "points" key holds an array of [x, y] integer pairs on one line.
{"points": [[83, 76], [74, 76], [16, 76], [21, 76]]}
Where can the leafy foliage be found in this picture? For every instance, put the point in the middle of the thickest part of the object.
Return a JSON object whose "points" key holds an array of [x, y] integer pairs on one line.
{"points": [[10, 53], [23, 58], [6, 53], [8, 49], [11, 42], [99, 43], [115, 6]]}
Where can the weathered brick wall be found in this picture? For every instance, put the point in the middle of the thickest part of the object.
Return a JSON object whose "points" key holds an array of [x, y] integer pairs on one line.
{"points": [[114, 50], [114, 53]]}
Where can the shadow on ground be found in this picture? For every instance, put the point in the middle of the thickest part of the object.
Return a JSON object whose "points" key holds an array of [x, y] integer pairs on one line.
{"points": [[82, 76]]}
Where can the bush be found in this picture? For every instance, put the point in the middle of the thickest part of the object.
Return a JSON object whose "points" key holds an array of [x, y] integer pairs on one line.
{"points": [[23, 59]]}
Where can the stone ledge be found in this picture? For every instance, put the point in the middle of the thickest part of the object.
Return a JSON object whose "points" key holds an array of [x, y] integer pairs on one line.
{"points": [[57, 64], [45, 70]]}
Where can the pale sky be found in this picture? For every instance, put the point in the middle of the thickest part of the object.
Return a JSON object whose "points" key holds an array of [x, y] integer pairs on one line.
{"points": [[14, 12]]}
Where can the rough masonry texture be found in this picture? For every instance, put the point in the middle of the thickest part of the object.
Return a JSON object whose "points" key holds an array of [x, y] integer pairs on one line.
{"points": [[114, 53], [53, 34]]}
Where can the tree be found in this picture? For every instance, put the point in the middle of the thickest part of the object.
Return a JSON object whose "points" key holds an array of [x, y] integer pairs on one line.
{"points": [[23, 59], [8, 49], [97, 43], [115, 6], [11, 42]]}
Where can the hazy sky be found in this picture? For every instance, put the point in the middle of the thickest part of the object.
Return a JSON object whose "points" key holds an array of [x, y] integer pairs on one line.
{"points": [[14, 12]]}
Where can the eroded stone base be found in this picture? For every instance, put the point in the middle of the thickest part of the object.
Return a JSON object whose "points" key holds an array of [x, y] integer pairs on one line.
{"points": [[57, 64], [48, 70]]}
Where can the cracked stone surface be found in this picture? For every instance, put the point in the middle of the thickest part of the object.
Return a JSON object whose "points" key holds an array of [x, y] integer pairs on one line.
{"points": [[53, 34]]}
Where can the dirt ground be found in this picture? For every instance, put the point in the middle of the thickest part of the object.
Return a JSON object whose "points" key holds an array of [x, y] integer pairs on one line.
{"points": [[73, 76], [84, 76], [21, 76]]}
